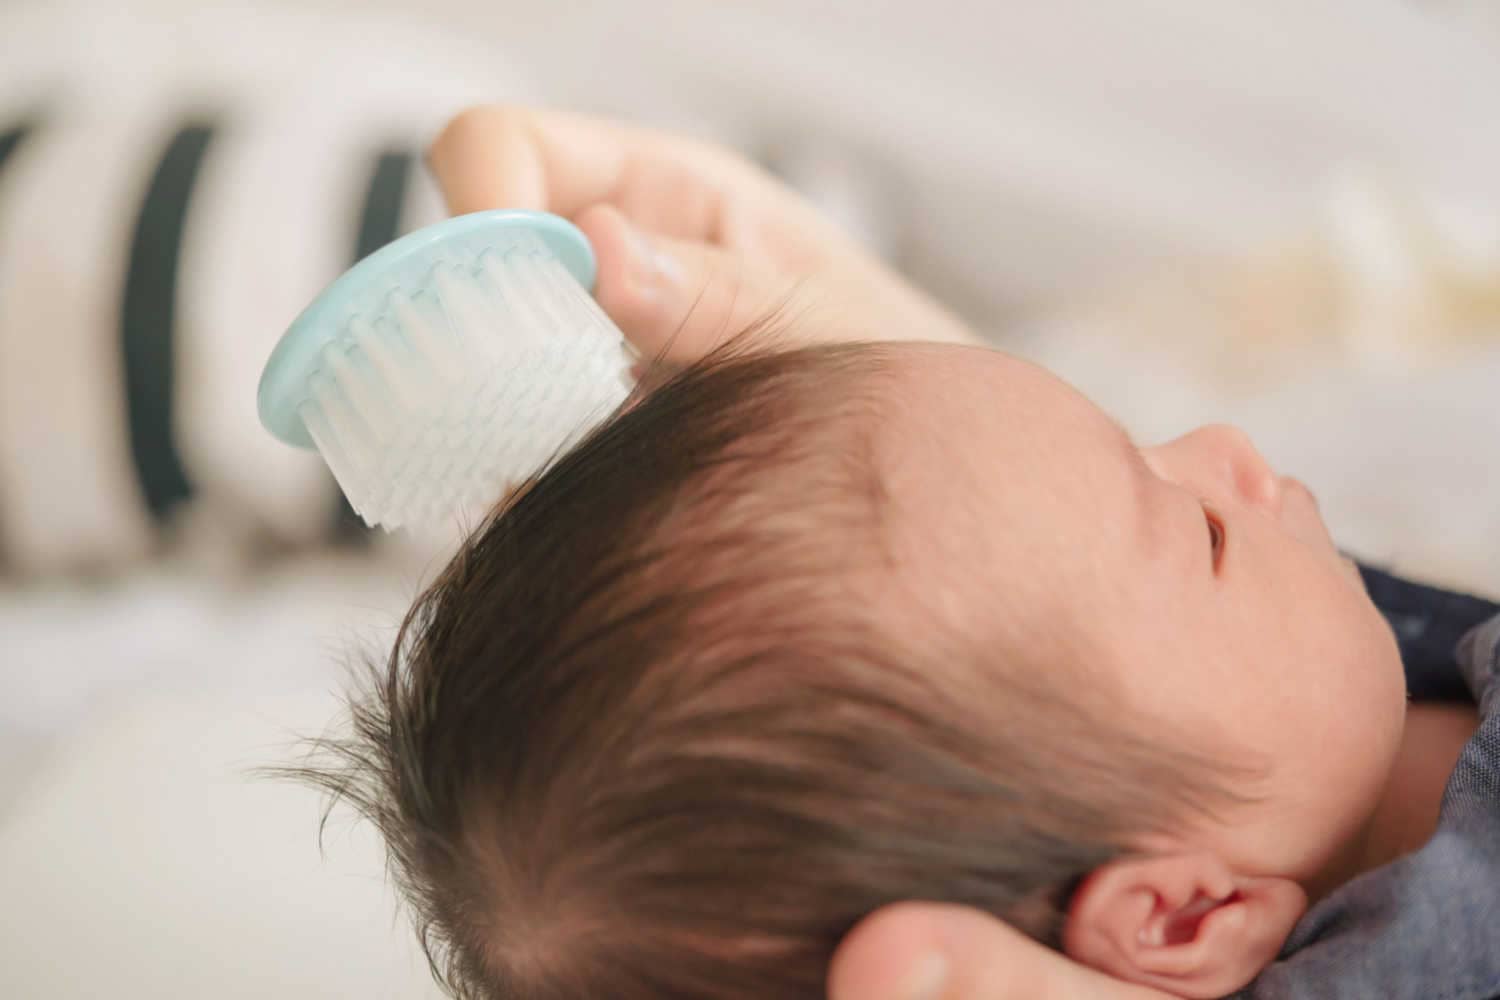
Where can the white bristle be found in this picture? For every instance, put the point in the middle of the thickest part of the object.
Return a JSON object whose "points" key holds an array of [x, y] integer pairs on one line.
{"points": [[510, 286], [364, 394], [391, 373], [428, 336], [462, 387], [544, 300], [331, 448]]}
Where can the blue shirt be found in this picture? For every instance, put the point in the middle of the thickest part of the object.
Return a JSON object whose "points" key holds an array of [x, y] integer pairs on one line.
{"points": [[1426, 926]]}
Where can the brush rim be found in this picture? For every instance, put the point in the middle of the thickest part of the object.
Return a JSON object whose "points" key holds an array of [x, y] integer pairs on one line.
{"points": [[295, 358]]}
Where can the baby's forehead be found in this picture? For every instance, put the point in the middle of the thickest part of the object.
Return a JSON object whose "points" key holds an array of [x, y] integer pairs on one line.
{"points": [[1004, 483], [985, 391], [975, 426], [950, 477]]}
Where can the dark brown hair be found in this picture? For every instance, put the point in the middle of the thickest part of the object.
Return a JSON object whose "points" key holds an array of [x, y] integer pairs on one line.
{"points": [[641, 740]]}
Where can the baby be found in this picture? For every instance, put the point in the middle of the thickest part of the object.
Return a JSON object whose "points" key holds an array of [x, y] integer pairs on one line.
{"points": [[804, 632]]}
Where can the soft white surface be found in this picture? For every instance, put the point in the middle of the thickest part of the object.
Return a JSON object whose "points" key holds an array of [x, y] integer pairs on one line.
{"points": [[150, 865], [139, 856]]}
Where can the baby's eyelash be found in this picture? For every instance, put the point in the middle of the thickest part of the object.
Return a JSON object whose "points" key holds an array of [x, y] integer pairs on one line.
{"points": [[1215, 536]]}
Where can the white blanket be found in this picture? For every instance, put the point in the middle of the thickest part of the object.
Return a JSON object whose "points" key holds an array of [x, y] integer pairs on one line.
{"points": [[139, 857]]}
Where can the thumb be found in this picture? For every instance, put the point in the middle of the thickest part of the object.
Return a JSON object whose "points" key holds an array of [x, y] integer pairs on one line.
{"points": [[930, 951], [676, 298]]}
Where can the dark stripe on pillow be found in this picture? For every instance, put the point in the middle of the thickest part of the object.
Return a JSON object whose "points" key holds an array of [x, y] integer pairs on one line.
{"points": [[379, 223], [148, 317], [11, 139], [385, 194]]}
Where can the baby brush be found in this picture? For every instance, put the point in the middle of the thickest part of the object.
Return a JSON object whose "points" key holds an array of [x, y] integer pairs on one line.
{"points": [[448, 365]]}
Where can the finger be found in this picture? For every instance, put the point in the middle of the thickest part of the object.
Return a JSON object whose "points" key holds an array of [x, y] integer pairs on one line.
{"points": [[677, 299], [487, 158], [554, 161], [892, 955], [957, 953], [509, 157]]}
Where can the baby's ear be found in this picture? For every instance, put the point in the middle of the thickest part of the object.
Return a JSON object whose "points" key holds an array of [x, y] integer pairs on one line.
{"points": [[1183, 923]]}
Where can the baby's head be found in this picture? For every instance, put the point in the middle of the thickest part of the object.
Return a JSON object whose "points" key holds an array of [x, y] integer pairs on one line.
{"points": [[801, 634]]}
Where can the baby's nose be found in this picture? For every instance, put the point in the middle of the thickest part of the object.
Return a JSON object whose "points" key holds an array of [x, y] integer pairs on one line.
{"points": [[1250, 473]]}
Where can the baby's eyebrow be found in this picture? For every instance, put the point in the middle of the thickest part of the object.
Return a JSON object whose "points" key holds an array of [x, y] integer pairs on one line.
{"points": [[1148, 531]]}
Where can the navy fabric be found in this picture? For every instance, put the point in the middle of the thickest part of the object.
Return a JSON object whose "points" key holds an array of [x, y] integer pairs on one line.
{"points": [[1428, 622], [1428, 925]]}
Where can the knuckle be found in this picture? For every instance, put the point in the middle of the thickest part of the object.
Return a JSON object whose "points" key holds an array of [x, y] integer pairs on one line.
{"points": [[482, 123]]}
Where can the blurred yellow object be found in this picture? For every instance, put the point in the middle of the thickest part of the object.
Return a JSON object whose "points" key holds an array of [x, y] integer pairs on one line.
{"points": [[1378, 281]]}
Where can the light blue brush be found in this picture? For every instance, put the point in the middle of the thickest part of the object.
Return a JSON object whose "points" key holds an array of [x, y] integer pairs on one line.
{"points": [[449, 365]]}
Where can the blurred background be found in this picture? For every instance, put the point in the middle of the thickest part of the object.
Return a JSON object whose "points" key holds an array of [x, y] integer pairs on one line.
{"points": [[1283, 214]]}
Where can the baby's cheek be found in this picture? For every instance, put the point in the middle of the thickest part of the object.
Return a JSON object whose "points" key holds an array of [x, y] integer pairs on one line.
{"points": [[1371, 698], [1386, 678]]}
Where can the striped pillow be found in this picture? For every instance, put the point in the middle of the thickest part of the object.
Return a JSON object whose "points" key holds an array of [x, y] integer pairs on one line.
{"points": [[160, 224]]}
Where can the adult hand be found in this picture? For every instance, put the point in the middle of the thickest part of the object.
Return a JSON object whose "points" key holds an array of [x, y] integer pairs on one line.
{"points": [[694, 243], [931, 951]]}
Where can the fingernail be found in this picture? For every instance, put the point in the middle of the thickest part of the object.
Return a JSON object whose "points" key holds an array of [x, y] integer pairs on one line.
{"points": [[927, 978], [652, 268]]}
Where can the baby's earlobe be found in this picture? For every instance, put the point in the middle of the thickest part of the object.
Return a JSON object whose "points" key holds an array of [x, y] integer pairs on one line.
{"points": [[1180, 922]]}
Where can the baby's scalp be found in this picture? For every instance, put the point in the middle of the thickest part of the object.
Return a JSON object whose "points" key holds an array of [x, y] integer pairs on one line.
{"points": [[654, 707]]}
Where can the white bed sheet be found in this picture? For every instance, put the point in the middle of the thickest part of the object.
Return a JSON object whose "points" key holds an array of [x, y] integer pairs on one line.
{"points": [[138, 855]]}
